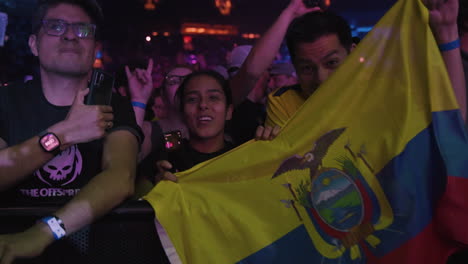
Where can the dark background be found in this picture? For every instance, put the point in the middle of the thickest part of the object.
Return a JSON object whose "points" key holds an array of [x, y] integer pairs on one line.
{"points": [[127, 24]]}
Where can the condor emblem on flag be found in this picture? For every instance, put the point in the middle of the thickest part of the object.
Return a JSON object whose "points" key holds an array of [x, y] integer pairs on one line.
{"points": [[338, 204]]}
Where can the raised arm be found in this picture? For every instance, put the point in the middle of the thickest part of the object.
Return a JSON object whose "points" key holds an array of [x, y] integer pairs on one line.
{"points": [[140, 84], [265, 50], [443, 21]]}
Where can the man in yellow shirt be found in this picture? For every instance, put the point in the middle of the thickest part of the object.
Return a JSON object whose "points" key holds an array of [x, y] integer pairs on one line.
{"points": [[320, 41], [316, 52]]}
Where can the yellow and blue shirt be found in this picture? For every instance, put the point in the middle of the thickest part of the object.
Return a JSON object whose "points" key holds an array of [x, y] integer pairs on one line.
{"points": [[283, 104]]}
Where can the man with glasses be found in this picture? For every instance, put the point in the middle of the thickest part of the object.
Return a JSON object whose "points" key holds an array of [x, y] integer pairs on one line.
{"points": [[54, 149]]}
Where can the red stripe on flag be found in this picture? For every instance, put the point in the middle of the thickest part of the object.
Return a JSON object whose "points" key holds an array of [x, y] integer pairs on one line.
{"points": [[452, 210], [427, 247]]}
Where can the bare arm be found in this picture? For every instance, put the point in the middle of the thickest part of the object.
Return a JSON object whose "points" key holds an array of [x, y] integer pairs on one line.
{"points": [[83, 124], [140, 84], [109, 188], [265, 50], [443, 21], [105, 191], [17, 162]]}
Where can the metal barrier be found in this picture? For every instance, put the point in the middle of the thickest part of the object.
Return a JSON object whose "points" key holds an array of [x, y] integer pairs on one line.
{"points": [[125, 235]]}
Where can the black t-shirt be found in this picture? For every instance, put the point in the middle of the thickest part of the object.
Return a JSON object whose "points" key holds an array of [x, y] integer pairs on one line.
{"points": [[246, 117], [24, 113], [186, 157], [147, 167]]}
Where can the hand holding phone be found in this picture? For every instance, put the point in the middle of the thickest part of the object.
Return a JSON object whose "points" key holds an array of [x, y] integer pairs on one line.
{"points": [[100, 88]]}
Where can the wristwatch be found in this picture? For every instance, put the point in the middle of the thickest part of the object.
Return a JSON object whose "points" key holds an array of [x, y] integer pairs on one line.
{"points": [[49, 142], [56, 226]]}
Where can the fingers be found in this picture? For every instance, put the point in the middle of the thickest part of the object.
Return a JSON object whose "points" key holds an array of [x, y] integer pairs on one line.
{"points": [[80, 95], [267, 133], [275, 132], [163, 167], [149, 70], [128, 72], [142, 75], [105, 109], [259, 132], [168, 176], [107, 117], [314, 9], [263, 133]]}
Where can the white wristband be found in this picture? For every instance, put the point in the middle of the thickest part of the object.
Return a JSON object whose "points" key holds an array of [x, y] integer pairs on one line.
{"points": [[55, 225]]}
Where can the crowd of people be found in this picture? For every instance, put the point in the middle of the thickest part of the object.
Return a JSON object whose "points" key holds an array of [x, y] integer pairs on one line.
{"points": [[54, 148]]}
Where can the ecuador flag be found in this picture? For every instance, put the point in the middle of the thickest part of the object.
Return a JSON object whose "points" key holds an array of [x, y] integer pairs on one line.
{"points": [[358, 175]]}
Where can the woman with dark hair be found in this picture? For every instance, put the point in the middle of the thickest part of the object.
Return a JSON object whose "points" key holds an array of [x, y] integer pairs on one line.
{"points": [[204, 99]]}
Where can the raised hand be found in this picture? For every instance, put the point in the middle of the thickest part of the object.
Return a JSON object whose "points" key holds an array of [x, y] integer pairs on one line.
{"points": [[298, 8], [140, 82], [443, 19]]}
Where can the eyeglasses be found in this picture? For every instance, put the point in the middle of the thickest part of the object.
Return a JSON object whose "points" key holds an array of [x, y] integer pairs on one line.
{"points": [[58, 27], [175, 79]]}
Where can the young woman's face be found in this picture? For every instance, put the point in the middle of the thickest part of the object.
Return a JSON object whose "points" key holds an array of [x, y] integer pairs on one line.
{"points": [[205, 109]]}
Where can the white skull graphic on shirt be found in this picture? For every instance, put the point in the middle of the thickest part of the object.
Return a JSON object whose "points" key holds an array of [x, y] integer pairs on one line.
{"points": [[63, 168]]}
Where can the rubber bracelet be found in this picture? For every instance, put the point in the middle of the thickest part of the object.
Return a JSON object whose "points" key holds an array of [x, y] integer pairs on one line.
{"points": [[140, 105], [450, 45], [55, 225]]}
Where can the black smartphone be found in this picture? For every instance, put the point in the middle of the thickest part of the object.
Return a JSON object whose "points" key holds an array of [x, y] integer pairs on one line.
{"points": [[173, 140], [100, 88], [315, 3], [3, 26]]}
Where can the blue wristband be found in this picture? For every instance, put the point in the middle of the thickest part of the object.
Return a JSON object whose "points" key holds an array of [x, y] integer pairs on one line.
{"points": [[140, 105], [55, 225], [450, 46]]}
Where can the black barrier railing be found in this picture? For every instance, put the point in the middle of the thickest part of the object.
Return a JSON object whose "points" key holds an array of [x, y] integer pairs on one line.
{"points": [[139, 208], [126, 235]]}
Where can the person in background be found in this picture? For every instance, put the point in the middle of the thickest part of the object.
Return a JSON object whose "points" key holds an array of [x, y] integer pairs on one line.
{"points": [[319, 42], [281, 75]]}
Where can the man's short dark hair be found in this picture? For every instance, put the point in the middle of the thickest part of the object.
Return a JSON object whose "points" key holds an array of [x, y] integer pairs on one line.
{"points": [[91, 8], [216, 76], [312, 26], [463, 17]]}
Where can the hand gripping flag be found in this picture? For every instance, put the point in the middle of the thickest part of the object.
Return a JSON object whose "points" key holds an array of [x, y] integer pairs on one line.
{"points": [[358, 175]]}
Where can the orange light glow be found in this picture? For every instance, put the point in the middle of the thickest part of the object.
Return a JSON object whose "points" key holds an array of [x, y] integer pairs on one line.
{"points": [[224, 6], [208, 29], [149, 5]]}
